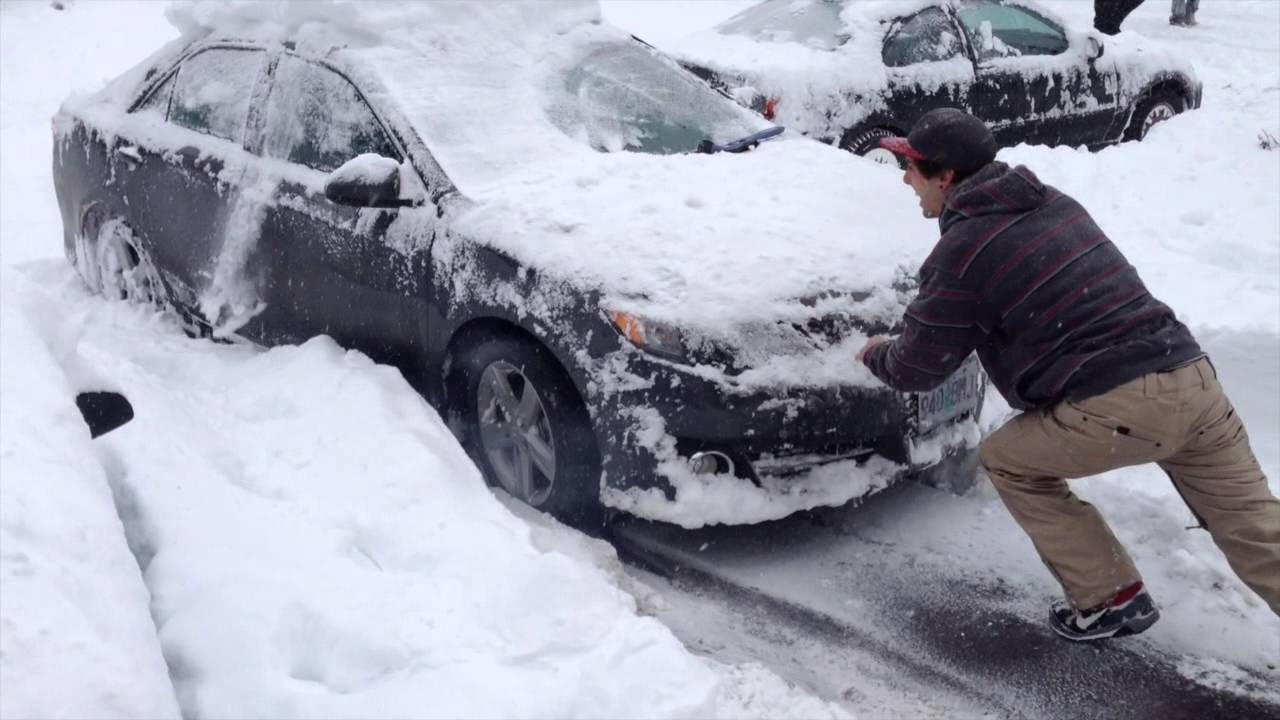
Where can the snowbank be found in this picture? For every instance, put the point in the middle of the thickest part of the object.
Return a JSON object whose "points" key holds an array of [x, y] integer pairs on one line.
{"points": [[318, 545], [76, 638]]}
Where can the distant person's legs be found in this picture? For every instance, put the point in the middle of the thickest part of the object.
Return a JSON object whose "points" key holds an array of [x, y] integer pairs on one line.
{"points": [[1184, 12]]}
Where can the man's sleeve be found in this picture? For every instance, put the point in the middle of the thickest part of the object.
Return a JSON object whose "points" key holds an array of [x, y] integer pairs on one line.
{"points": [[942, 326]]}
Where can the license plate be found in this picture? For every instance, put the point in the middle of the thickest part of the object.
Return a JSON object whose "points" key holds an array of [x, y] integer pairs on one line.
{"points": [[957, 395]]}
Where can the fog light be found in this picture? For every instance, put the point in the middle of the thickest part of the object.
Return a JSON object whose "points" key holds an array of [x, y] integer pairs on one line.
{"points": [[710, 462]]}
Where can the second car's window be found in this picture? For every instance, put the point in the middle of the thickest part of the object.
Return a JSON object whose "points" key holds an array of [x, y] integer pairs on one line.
{"points": [[316, 118], [213, 90], [997, 30], [623, 96], [925, 36], [815, 23]]}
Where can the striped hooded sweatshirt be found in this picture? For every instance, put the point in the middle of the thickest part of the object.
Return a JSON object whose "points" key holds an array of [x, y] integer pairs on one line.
{"points": [[1023, 275]]}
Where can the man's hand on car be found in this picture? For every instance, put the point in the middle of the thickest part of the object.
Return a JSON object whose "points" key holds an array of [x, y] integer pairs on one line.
{"points": [[872, 342]]}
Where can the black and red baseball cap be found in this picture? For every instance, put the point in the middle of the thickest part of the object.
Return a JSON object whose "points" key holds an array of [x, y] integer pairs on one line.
{"points": [[947, 137]]}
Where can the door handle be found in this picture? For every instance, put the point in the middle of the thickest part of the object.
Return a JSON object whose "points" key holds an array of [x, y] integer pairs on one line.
{"points": [[130, 152]]}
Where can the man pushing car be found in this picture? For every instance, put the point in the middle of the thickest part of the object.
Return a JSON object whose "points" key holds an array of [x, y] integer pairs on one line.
{"points": [[1104, 374]]}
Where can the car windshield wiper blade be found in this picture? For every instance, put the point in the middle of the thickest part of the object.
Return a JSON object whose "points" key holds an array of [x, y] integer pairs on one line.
{"points": [[741, 144]]}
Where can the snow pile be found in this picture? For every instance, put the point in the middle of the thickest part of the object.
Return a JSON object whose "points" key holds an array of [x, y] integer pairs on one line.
{"points": [[76, 639], [384, 581]]}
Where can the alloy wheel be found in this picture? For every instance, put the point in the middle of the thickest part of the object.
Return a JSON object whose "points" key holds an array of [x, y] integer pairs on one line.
{"points": [[1158, 113], [881, 156], [121, 274], [516, 433]]}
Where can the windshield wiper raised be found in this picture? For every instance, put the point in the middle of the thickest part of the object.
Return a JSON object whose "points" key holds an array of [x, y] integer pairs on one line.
{"points": [[741, 144]]}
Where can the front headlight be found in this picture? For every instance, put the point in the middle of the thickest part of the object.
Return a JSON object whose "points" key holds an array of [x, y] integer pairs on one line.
{"points": [[653, 336]]}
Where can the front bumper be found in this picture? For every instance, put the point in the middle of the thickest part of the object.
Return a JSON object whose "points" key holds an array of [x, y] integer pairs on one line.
{"points": [[772, 434]]}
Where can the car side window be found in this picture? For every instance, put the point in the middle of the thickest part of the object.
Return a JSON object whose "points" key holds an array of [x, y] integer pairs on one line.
{"points": [[924, 37], [158, 100], [212, 91], [996, 30], [317, 118]]}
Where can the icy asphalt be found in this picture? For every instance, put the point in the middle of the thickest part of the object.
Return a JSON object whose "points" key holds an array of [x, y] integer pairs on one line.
{"points": [[837, 597]]}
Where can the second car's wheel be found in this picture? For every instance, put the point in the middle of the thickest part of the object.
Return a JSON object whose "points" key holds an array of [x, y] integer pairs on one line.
{"points": [[867, 144], [1152, 110], [526, 427]]}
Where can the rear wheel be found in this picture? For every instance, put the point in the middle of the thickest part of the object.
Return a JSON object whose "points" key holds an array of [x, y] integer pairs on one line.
{"points": [[867, 145], [111, 263], [1151, 111], [526, 427]]}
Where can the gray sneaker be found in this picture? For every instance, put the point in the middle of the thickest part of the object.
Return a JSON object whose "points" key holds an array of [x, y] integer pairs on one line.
{"points": [[1128, 613]]}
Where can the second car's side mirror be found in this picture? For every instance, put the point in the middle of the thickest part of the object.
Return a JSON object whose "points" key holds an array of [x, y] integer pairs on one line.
{"points": [[367, 180], [1095, 48]]}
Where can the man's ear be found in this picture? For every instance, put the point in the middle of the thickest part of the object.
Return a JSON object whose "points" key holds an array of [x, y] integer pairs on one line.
{"points": [[947, 178]]}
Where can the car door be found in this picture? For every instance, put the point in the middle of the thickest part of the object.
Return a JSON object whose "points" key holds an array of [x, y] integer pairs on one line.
{"points": [[1026, 86], [183, 181], [357, 274], [927, 67]]}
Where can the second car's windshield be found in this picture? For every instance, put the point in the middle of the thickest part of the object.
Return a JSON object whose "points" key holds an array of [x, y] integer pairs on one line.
{"points": [[622, 96], [808, 22]]}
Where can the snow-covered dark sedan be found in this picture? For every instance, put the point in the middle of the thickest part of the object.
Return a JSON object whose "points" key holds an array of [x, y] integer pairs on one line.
{"points": [[614, 282], [849, 72]]}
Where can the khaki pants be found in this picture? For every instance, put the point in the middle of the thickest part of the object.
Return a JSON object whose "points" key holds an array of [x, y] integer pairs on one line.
{"points": [[1179, 419]]}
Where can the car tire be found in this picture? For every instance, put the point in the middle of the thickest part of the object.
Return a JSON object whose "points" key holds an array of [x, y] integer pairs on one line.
{"points": [[111, 263], [523, 423], [1151, 110], [867, 144]]}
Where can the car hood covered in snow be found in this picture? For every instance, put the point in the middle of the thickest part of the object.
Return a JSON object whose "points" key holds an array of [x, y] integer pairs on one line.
{"points": [[715, 240], [824, 88]]}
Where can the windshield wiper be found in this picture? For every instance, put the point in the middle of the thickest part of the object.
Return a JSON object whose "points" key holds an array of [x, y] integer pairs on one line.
{"points": [[741, 144]]}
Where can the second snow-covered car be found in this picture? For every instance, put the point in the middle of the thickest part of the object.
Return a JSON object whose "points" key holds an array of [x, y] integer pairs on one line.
{"points": [[541, 221], [850, 72]]}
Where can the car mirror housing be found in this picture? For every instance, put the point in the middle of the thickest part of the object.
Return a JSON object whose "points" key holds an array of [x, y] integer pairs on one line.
{"points": [[367, 180], [1095, 48], [103, 410]]}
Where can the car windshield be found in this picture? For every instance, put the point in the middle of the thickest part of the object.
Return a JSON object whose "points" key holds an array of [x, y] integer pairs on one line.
{"points": [[623, 96], [809, 22]]}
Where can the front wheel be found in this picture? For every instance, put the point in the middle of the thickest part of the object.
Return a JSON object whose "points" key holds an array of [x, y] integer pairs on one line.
{"points": [[1150, 111], [525, 425]]}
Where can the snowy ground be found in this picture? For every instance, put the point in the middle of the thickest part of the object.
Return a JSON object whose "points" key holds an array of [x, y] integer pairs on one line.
{"points": [[313, 543]]}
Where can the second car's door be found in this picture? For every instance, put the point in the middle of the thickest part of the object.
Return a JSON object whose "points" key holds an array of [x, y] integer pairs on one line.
{"points": [[1029, 89], [927, 67], [357, 274]]}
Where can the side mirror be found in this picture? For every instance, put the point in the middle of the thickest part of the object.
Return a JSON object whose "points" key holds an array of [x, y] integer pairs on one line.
{"points": [[103, 411], [367, 180], [1095, 48]]}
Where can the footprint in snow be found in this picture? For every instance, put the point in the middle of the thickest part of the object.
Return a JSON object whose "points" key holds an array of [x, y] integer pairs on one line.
{"points": [[1199, 218]]}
